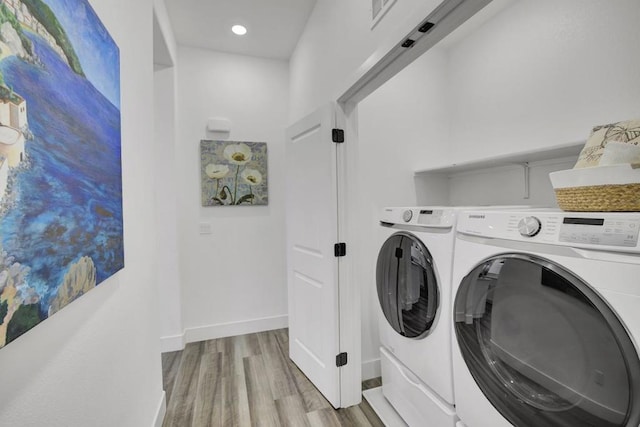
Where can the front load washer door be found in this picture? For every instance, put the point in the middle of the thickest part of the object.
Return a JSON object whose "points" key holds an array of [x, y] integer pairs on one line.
{"points": [[407, 287], [543, 346]]}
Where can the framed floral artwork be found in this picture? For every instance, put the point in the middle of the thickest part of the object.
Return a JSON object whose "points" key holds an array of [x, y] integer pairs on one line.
{"points": [[233, 173]]}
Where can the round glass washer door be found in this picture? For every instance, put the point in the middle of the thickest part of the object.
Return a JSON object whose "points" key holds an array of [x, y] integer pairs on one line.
{"points": [[543, 346], [407, 287]]}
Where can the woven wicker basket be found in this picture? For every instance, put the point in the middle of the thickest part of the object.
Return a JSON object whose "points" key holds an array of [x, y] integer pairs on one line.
{"points": [[599, 198], [614, 188]]}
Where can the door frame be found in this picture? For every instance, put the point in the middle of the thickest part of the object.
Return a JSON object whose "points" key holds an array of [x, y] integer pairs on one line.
{"points": [[349, 295]]}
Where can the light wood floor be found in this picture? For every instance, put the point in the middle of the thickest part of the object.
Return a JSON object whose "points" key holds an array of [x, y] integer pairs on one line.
{"points": [[249, 380]]}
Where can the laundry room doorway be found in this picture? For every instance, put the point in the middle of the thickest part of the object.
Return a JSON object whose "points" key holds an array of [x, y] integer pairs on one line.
{"points": [[324, 211]]}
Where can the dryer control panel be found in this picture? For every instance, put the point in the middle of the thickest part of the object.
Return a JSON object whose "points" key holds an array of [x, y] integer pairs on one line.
{"points": [[422, 217]]}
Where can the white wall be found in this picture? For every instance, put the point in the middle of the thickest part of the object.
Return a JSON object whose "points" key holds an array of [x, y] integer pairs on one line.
{"points": [[166, 209], [543, 73], [335, 42], [538, 75], [233, 280], [97, 361]]}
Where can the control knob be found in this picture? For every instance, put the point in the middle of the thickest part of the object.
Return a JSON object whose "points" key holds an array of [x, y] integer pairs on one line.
{"points": [[529, 226], [407, 215]]}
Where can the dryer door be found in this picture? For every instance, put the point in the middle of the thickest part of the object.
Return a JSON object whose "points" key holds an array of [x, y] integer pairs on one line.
{"points": [[406, 282], [543, 346]]}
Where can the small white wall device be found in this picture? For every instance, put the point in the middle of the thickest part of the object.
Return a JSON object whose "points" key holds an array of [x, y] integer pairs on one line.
{"points": [[219, 124]]}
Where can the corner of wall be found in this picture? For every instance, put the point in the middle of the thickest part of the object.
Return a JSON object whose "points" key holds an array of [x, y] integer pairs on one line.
{"points": [[162, 16], [371, 369]]}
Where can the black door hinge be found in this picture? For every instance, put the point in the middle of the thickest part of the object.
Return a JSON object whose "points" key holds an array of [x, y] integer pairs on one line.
{"points": [[341, 359], [340, 249], [337, 135]]}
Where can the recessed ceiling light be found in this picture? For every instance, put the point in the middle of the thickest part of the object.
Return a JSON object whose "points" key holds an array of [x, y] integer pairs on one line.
{"points": [[239, 30]]}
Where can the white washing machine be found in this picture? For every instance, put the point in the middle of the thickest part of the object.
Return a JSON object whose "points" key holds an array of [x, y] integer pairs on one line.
{"points": [[413, 281], [547, 319]]}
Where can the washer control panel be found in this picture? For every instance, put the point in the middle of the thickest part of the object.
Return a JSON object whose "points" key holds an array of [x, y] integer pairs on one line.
{"points": [[600, 231], [615, 231]]}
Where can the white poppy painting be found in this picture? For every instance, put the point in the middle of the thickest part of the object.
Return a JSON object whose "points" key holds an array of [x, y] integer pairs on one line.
{"points": [[233, 173]]}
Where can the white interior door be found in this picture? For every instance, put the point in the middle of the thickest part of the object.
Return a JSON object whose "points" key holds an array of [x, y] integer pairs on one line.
{"points": [[312, 268]]}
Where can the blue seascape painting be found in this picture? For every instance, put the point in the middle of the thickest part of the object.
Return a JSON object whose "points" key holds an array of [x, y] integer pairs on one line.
{"points": [[60, 169]]}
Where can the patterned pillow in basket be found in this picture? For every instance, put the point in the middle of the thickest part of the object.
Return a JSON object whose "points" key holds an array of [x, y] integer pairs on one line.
{"points": [[626, 132]]}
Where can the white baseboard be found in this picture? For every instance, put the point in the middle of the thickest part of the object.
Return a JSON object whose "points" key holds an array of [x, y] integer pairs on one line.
{"points": [[231, 329], [371, 369], [162, 410], [172, 343]]}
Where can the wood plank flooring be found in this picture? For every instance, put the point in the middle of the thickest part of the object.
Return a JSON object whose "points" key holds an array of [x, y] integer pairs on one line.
{"points": [[249, 380]]}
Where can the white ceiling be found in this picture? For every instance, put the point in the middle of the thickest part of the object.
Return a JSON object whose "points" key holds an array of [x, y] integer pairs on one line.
{"points": [[274, 26]]}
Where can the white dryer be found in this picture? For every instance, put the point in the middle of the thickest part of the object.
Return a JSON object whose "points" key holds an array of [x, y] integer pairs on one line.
{"points": [[547, 319], [413, 281]]}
